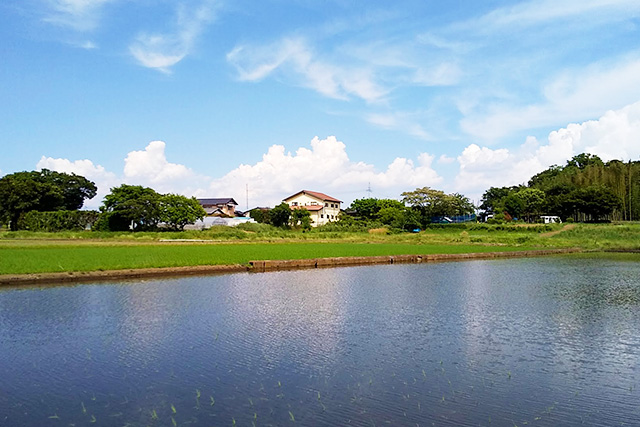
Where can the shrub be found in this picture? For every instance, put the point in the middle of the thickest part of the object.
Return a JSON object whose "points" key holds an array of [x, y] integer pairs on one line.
{"points": [[57, 220]]}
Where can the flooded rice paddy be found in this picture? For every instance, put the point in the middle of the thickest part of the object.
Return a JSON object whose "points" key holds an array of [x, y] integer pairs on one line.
{"points": [[543, 342]]}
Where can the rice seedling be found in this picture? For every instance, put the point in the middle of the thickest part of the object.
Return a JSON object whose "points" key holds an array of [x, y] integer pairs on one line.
{"points": [[173, 421], [93, 419], [173, 409], [84, 410], [213, 401], [54, 417], [293, 419]]}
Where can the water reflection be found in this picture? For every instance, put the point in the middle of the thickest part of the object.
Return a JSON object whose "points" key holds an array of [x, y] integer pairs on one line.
{"points": [[532, 341]]}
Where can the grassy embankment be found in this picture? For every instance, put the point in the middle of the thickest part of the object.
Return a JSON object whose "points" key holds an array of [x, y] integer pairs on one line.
{"points": [[24, 252]]}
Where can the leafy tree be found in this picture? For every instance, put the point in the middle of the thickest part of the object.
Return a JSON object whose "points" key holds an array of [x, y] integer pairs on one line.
{"points": [[301, 218], [177, 211], [45, 190], [280, 215], [365, 208], [581, 161], [493, 199], [514, 205], [533, 201], [431, 203], [596, 202], [131, 206], [262, 216]]}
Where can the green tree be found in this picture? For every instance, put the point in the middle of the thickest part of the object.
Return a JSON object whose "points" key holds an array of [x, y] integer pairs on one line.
{"points": [[45, 190], [131, 207], [177, 211], [280, 215], [301, 218], [262, 216], [365, 208], [533, 200]]}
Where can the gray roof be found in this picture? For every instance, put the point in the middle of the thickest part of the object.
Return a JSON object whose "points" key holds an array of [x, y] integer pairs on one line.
{"points": [[218, 201]]}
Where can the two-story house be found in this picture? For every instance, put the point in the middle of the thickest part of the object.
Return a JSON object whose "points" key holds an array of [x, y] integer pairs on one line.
{"points": [[322, 208], [224, 207]]}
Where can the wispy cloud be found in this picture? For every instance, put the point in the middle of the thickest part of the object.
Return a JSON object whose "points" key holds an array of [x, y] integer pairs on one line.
{"points": [[294, 58], [79, 15], [570, 96], [160, 50]]}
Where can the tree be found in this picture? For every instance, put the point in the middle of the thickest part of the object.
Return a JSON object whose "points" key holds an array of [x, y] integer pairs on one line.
{"points": [[280, 215], [131, 207], [262, 216], [177, 211], [301, 218], [533, 201], [45, 190], [365, 208]]}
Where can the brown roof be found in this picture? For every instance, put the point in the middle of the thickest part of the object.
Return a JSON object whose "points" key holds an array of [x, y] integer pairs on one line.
{"points": [[317, 195], [309, 207]]}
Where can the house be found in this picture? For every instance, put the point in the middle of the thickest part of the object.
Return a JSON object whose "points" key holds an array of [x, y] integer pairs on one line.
{"points": [[221, 207], [322, 208]]}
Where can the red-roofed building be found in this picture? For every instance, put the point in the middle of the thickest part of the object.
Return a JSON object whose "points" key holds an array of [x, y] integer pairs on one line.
{"points": [[322, 208]]}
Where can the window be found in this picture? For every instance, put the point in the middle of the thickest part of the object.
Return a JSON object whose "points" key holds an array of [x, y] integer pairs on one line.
{"points": [[321, 215], [294, 203], [326, 205], [314, 203]]}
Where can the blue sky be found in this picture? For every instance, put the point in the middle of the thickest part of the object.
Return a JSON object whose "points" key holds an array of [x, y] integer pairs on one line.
{"points": [[209, 98]]}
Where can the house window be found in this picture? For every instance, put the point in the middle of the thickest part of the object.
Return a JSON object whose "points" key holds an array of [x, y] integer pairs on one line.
{"points": [[314, 203], [321, 215], [294, 203], [326, 205]]}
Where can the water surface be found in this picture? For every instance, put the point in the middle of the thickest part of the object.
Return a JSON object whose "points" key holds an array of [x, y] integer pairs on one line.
{"points": [[542, 341]]}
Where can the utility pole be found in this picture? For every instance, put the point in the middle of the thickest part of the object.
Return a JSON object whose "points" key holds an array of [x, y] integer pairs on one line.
{"points": [[369, 190], [247, 188]]}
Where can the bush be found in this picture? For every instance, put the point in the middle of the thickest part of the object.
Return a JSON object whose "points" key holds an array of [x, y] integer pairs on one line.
{"points": [[58, 220]]}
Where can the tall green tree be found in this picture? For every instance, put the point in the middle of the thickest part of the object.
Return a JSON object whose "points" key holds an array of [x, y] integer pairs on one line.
{"points": [[131, 207], [44, 190], [280, 215], [176, 211]]}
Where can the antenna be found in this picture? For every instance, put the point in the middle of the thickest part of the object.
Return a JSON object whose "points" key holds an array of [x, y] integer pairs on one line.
{"points": [[247, 188], [369, 190]]}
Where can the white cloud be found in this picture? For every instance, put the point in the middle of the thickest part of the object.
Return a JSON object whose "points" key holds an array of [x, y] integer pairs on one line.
{"points": [[79, 15], [613, 136], [405, 122], [324, 167], [292, 56], [103, 179], [163, 50], [572, 95], [150, 167]]}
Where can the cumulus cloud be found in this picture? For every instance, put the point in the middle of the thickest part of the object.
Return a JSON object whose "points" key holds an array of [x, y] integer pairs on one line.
{"points": [[103, 179], [613, 136], [326, 167], [160, 50], [150, 167]]}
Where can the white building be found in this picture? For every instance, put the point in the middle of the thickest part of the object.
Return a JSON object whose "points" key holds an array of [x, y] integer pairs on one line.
{"points": [[323, 208]]}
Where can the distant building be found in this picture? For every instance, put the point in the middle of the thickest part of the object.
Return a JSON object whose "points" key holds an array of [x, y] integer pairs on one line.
{"points": [[220, 207], [323, 208], [550, 219]]}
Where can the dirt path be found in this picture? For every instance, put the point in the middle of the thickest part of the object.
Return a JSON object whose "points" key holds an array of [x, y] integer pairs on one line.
{"points": [[553, 233]]}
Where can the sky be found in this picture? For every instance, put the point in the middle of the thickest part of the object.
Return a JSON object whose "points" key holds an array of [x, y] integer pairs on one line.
{"points": [[258, 100]]}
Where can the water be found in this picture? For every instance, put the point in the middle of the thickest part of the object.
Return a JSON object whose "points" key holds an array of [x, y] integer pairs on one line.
{"points": [[544, 341]]}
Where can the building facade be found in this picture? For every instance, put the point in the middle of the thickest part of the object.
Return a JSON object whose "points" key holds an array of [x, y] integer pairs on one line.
{"points": [[322, 208]]}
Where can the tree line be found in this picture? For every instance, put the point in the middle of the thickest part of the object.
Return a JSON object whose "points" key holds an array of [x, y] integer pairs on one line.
{"points": [[584, 189], [50, 201]]}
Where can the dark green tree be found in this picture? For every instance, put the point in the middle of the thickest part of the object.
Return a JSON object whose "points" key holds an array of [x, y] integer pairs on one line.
{"points": [[176, 211], [301, 218], [44, 190], [131, 207], [280, 215]]}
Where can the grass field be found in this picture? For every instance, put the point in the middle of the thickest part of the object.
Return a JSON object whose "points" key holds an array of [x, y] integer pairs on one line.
{"points": [[24, 252]]}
